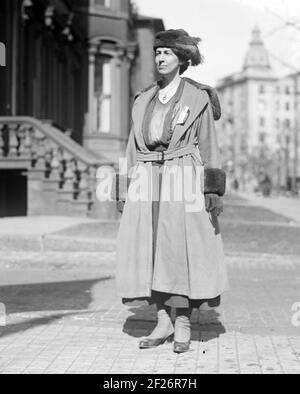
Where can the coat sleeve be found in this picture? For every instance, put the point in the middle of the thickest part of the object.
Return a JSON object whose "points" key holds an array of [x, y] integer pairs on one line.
{"points": [[214, 176]]}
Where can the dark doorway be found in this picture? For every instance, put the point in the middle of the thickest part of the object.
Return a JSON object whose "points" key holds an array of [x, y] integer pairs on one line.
{"points": [[13, 193]]}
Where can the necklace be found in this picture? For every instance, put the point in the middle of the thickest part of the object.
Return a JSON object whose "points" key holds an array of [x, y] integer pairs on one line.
{"points": [[164, 97], [166, 94]]}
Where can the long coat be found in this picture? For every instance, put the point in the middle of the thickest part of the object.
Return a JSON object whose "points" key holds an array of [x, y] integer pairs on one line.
{"points": [[189, 256]]}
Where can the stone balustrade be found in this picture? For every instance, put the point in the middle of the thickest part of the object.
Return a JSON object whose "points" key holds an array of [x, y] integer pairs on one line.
{"points": [[61, 173]]}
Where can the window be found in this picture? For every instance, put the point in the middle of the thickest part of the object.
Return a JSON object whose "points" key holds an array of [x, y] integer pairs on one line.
{"points": [[103, 3], [103, 94], [262, 137], [287, 123], [2, 55], [287, 90], [262, 89], [287, 106], [277, 123], [262, 121]]}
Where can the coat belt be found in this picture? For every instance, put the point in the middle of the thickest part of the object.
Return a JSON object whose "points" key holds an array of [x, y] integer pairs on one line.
{"points": [[167, 155]]}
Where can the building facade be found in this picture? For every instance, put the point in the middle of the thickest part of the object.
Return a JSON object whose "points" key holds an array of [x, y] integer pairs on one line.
{"points": [[259, 130], [71, 71]]}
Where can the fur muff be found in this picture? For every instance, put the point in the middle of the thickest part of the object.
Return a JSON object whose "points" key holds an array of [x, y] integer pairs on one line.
{"points": [[214, 181], [180, 39]]}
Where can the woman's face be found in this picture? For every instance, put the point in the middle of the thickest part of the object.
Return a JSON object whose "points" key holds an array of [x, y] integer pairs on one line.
{"points": [[166, 61]]}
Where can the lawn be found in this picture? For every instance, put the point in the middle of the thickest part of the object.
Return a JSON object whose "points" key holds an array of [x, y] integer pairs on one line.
{"points": [[244, 229]]}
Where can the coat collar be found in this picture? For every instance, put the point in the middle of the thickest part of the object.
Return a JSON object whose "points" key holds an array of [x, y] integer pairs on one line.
{"points": [[138, 113], [192, 97], [196, 100]]}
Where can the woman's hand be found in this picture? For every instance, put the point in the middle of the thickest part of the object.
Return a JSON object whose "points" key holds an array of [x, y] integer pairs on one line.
{"points": [[213, 203], [120, 206]]}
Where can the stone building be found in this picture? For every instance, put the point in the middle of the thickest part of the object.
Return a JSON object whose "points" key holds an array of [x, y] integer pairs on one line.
{"points": [[72, 69], [259, 129]]}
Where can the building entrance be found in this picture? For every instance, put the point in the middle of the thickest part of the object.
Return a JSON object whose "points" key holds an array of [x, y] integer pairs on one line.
{"points": [[13, 193]]}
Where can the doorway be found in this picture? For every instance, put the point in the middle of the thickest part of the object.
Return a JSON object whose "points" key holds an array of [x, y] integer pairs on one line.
{"points": [[13, 193]]}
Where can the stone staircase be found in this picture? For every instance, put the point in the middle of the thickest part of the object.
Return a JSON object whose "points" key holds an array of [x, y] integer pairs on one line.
{"points": [[61, 174]]}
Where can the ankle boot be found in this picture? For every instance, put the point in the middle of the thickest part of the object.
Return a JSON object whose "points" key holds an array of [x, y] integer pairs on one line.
{"points": [[163, 331], [182, 331]]}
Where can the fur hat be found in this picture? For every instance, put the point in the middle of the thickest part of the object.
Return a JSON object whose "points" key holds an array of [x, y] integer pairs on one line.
{"points": [[179, 39]]}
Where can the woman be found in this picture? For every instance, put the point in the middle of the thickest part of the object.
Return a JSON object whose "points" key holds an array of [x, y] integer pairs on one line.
{"points": [[170, 250]]}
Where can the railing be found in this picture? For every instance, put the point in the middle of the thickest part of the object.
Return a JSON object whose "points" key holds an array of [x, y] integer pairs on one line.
{"points": [[49, 152]]}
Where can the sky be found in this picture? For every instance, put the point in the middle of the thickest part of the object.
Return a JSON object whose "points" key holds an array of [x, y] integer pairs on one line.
{"points": [[225, 28]]}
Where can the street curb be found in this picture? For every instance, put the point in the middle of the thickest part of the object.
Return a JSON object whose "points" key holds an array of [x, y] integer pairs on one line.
{"points": [[54, 243]]}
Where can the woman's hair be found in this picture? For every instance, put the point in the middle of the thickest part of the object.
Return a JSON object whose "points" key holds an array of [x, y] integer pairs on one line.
{"points": [[183, 59]]}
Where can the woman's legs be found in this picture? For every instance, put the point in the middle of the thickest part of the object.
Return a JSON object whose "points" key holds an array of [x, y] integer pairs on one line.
{"points": [[163, 330], [182, 329], [164, 327]]}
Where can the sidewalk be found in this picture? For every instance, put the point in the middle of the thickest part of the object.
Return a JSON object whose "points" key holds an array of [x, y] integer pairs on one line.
{"points": [[38, 225], [73, 322], [65, 317], [286, 206], [56, 234]]}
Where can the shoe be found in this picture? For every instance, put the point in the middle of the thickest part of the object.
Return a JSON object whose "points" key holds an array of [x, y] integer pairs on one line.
{"points": [[149, 343], [164, 331], [181, 347]]}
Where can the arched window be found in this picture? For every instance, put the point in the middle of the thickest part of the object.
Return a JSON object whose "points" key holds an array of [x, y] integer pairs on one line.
{"points": [[103, 93]]}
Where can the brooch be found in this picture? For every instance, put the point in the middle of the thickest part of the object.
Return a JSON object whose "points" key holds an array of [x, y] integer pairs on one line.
{"points": [[184, 114]]}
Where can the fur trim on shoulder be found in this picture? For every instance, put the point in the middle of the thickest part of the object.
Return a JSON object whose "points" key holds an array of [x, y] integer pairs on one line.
{"points": [[214, 181], [213, 96]]}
